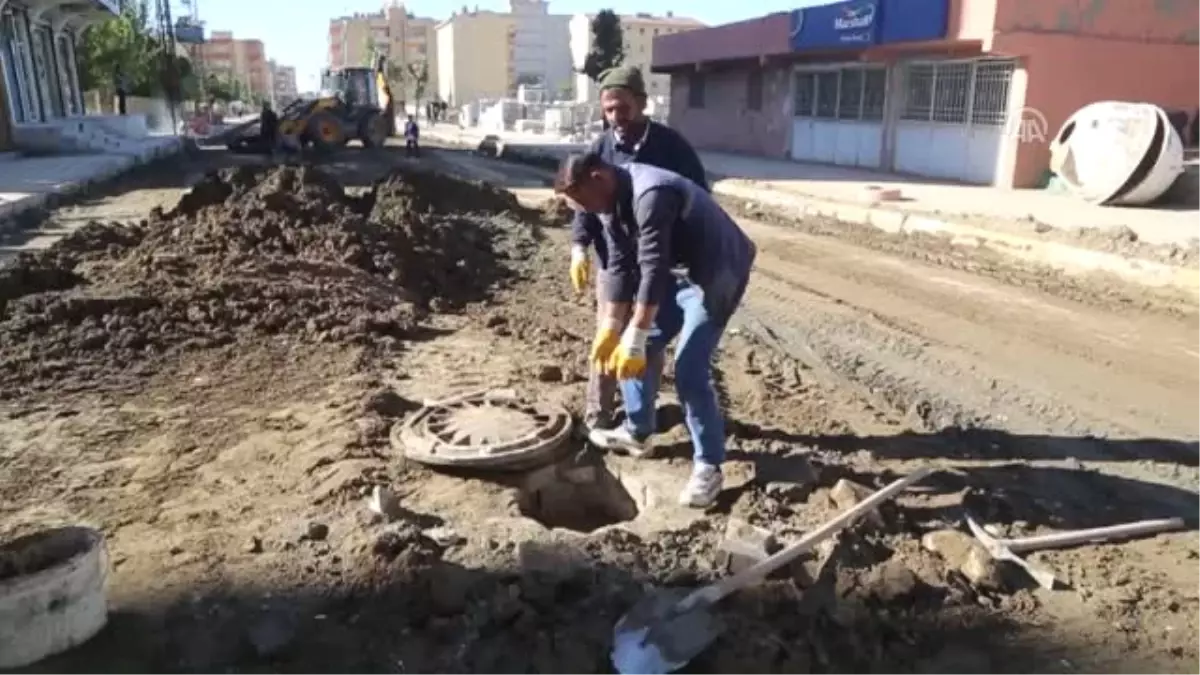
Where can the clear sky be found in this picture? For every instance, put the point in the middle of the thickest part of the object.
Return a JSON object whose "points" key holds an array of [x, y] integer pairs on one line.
{"points": [[294, 31]]}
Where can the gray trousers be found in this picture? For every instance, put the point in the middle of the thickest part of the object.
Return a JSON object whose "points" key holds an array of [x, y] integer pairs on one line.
{"points": [[601, 398]]}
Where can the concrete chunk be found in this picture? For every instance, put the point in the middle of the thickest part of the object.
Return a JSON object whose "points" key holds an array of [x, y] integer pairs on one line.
{"points": [[744, 545], [966, 554], [847, 494]]}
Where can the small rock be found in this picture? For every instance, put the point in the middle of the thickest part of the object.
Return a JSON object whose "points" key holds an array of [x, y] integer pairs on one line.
{"points": [[964, 553], [847, 494], [497, 320], [744, 545], [255, 545], [550, 373], [892, 580], [385, 503], [316, 531], [444, 536], [176, 550]]}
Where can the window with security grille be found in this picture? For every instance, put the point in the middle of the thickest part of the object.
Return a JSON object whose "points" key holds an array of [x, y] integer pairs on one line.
{"points": [[990, 100], [958, 92], [918, 92], [952, 86], [805, 98]]}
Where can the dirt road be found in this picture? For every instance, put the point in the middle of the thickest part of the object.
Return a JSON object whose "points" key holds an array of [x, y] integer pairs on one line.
{"points": [[214, 390]]}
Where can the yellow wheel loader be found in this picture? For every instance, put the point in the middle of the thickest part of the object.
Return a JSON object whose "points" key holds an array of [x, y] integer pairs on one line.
{"points": [[355, 103]]}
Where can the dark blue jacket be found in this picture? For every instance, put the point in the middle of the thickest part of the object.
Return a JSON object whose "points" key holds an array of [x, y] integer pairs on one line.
{"points": [[664, 147], [664, 223]]}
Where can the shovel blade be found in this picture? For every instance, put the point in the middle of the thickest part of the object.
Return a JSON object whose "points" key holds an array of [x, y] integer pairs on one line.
{"points": [[654, 639]]}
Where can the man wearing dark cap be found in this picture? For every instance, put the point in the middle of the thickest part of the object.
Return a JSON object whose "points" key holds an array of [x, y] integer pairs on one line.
{"points": [[630, 137], [678, 265]]}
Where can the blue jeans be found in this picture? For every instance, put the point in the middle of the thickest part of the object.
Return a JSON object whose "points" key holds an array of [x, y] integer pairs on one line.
{"points": [[698, 317]]}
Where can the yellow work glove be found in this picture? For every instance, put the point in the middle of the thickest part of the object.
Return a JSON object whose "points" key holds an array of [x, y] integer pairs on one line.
{"points": [[581, 268], [605, 343], [628, 360]]}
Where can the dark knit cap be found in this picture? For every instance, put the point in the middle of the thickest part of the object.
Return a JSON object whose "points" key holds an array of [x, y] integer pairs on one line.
{"points": [[623, 77]]}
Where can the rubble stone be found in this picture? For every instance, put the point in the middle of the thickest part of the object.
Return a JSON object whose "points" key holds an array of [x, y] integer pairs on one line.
{"points": [[744, 545]]}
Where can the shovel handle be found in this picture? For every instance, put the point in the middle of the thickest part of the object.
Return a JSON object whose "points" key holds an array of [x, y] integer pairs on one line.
{"points": [[1095, 534], [751, 575]]}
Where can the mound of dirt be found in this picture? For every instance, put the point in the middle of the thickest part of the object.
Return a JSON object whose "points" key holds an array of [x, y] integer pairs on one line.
{"points": [[252, 252]]}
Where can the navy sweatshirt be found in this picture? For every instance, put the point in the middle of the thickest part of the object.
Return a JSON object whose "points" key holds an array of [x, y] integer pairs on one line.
{"points": [[664, 147]]}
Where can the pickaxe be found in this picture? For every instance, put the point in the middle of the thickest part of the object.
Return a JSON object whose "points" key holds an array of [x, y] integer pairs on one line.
{"points": [[1010, 549]]}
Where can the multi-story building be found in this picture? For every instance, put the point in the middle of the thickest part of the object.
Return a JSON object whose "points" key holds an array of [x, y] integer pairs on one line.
{"points": [[542, 47], [476, 56], [241, 61], [283, 84], [638, 32], [406, 40]]}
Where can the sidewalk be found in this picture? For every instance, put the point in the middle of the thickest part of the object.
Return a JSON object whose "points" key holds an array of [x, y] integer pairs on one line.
{"points": [[28, 183], [1037, 226]]}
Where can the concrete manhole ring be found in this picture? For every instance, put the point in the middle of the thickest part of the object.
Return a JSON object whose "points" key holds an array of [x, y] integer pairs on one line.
{"points": [[486, 430]]}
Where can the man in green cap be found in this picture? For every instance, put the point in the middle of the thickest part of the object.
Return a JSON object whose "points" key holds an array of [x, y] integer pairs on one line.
{"points": [[630, 137]]}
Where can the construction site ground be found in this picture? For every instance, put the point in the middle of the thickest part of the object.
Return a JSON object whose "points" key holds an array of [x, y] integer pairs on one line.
{"points": [[213, 388]]}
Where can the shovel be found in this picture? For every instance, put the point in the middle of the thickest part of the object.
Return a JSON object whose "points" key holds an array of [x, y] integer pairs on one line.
{"points": [[668, 628]]}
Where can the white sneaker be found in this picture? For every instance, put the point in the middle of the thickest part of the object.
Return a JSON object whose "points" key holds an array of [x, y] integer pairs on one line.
{"points": [[703, 487], [620, 440]]}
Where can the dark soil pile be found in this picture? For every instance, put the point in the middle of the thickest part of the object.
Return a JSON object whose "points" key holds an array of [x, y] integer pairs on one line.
{"points": [[252, 252]]}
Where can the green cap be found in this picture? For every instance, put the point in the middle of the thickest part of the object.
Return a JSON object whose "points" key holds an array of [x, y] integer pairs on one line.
{"points": [[623, 77]]}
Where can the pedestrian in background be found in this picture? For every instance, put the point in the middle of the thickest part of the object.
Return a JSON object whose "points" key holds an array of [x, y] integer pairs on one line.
{"points": [[122, 86]]}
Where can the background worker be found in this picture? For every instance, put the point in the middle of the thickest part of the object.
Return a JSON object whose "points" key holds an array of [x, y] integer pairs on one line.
{"points": [[630, 137], [678, 266]]}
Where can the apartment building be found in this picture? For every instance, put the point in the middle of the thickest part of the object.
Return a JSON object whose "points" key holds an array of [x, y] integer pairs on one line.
{"points": [[243, 61], [407, 40], [476, 56], [638, 33], [283, 84], [541, 46]]}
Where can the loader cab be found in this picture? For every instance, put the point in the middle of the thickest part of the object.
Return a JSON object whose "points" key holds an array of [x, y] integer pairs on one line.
{"points": [[355, 86]]}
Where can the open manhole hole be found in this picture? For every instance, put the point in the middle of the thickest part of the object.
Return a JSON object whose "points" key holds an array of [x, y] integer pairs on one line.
{"points": [[581, 497], [486, 430]]}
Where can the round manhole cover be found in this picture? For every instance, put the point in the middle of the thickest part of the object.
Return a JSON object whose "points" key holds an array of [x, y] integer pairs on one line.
{"points": [[488, 430]]}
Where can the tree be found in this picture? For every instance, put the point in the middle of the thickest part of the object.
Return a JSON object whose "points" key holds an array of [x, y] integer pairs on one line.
{"points": [[608, 48], [121, 44], [419, 74], [126, 45]]}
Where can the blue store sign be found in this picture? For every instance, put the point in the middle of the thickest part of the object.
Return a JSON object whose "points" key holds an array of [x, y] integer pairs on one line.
{"points": [[863, 23], [853, 24]]}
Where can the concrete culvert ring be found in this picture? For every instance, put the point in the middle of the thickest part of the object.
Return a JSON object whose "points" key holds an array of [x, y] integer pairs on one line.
{"points": [[487, 430], [51, 593]]}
